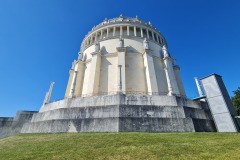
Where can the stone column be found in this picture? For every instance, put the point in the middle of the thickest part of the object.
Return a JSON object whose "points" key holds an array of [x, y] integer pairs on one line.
{"points": [[172, 82], [152, 86], [73, 85], [153, 38], [141, 32], [79, 79], [93, 82], [172, 78], [91, 39], [181, 89], [157, 39], [147, 34], [170, 89], [121, 31], [107, 32], [87, 41], [128, 30], [114, 31], [121, 69], [135, 32], [67, 93], [101, 34], [96, 37], [162, 41]]}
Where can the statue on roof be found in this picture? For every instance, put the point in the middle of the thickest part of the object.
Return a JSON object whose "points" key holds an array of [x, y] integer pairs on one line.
{"points": [[165, 52], [80, 56], [121, 42], [73, 64], [145, 44], [97, 46]]}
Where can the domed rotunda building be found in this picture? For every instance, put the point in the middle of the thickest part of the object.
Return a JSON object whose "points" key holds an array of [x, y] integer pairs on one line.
{"points": [[124, 55], [124, 79]]}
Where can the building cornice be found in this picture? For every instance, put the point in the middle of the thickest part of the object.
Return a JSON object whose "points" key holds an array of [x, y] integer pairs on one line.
{"points": [[122, 20]]}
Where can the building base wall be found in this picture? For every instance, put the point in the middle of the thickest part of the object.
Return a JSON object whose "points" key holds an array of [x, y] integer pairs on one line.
{"points": [[72, 125], [10, 125], [147, 124], [118, 113]]}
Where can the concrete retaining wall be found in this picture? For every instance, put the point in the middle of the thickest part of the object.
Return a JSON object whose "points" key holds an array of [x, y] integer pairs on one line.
{"points": [[139, 111], [120, 118], [10, 126], [204, 125], [120, 99], [122, 124], [111, 111], [202, 119], [115, 113], [72, 125], [156, 125], [5, 126]]}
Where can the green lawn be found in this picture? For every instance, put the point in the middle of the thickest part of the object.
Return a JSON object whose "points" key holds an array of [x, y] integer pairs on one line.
{"points": [[130, 145]]}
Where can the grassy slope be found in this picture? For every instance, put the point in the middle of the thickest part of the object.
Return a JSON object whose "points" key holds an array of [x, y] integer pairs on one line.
{"points": [[121, 146]]}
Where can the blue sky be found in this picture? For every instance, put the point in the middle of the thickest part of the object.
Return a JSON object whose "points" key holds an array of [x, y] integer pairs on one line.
{"points": [[39, 39]]}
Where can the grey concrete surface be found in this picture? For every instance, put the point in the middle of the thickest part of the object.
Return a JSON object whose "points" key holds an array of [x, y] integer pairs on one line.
{"points": [[10, 126], [115, 113], [72, 125], [120, 99], [219, 103]]}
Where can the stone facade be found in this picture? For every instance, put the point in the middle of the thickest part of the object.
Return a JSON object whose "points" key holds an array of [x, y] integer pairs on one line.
{"points": [[135, 46], [121, 113]]}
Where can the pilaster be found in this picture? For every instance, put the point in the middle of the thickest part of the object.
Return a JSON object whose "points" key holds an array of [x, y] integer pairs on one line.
{"points": [[71, 72], [107, 32], [93, 82], [153, 38], [73, 84], [114, 31], [147, 34], [181, 89], [152, 85], [171, 79], [121, 31], [121, 71], [141, 32], [101, 37], [157, 39], [79, 79], [96, 37], [91, 39], [135, 31]]}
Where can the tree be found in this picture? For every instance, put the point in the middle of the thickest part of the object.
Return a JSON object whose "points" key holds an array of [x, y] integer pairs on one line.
{"points": [[236, 100]]}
